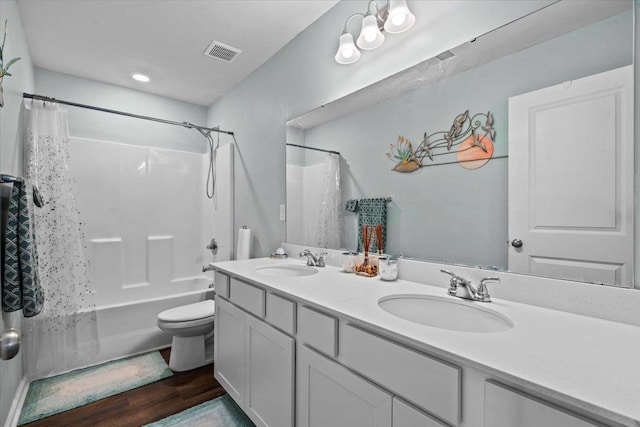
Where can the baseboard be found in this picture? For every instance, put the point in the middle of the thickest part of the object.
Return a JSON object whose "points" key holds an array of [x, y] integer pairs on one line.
{"points": [[16, 405]]}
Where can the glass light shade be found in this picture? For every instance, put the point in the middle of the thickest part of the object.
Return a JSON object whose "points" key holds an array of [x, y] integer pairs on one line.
{"points": [[370, 36], [347, 53], [400, 18]]}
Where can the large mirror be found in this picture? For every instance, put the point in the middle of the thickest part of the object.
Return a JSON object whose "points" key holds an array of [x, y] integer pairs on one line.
{"points": [[556, 197]]}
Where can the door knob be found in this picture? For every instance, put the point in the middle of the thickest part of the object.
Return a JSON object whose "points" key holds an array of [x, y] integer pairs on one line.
{"points": [[9, 344], [516, 243]]}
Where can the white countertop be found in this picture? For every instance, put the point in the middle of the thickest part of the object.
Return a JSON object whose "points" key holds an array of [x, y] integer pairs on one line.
{"points": [[585, 362]]}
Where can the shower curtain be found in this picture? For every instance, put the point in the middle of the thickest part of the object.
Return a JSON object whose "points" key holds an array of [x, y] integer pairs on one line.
{"points": [[64, 335], [330, 217]]}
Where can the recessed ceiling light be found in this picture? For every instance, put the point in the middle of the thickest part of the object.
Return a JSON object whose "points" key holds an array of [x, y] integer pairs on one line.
{"points": [[140, 77]]}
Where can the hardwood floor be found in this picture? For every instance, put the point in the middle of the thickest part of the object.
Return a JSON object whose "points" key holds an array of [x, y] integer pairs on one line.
{"points": [[145, 404]]}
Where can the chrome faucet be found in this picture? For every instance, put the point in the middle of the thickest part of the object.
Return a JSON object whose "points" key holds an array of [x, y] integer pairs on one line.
{"points": [[314, 261], [462, 288]]}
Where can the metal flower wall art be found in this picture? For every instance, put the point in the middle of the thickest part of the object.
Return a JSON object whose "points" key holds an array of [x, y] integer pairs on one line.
{"points": [[470, 139], [4, 63]]}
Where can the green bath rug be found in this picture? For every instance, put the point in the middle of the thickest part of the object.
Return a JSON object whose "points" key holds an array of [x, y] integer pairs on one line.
{"points": [[220, 412], [53, 395]]}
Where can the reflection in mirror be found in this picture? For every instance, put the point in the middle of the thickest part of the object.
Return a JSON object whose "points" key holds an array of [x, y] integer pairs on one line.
{"points": [[558, 84], [314, 198]]}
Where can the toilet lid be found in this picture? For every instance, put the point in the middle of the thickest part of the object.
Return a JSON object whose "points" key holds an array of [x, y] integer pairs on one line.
{"points": [[198, 310]]}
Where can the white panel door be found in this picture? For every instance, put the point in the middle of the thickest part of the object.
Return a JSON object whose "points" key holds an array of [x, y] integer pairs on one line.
{"points": [[571, 198], [229, 350], [269, 376], [330, 395]]}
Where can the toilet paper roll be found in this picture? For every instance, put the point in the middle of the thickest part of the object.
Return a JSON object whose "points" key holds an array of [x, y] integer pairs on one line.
{"points": [[243, 250]]}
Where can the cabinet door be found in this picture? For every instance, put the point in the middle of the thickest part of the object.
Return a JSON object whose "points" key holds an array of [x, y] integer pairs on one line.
{"points": [[269, 375], [229, 350], [330, 395]]}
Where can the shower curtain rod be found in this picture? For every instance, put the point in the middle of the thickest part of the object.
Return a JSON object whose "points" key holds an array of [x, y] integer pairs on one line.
{"points": [[122, 113], [313, 148]]}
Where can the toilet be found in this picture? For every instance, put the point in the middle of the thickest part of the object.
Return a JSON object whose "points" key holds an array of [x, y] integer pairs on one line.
{"points": [[189, 325]]}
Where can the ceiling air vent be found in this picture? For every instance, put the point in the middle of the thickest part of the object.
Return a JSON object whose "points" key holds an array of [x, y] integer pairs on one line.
{"points": [[221, 51]]}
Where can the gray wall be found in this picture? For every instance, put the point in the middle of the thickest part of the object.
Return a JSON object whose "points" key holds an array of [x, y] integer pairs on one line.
{"points": [[447, 213], [110, 127], [11, 371], [303, 76]]}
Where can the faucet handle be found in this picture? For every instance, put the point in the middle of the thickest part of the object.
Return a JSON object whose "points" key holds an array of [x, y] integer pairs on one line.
{"points": [[453, 283], [454, 277], [320, 258], [482, 293], [311, 260]]}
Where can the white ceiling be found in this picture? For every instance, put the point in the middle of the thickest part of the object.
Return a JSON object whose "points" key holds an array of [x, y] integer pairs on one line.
{"points": [[108, 40]]}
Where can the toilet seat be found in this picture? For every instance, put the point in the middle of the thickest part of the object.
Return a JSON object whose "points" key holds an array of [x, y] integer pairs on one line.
{"points": [[170, 327], [199, 311]]}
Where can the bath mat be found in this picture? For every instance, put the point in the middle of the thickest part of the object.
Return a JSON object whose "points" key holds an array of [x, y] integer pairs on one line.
{"points": [[220, 412], [53, 395]]}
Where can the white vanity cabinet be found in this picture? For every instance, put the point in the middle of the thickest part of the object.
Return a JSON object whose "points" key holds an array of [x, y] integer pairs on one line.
{"points": [[337, 362], [331, 395], [229, 349], [269, 363], [254, 361], [288, 361], [427, 382]]}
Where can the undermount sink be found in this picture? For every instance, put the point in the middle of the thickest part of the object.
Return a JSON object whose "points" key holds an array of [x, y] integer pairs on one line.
{"points": [[286, 270], [445, 313]]}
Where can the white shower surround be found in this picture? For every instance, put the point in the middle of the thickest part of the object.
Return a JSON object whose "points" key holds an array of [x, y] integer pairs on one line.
{"points": [[304, 197], [146, 222]]}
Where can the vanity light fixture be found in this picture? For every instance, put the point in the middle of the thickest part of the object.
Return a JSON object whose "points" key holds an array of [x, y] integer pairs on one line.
{"points": [[140, 77], [394, 18]]}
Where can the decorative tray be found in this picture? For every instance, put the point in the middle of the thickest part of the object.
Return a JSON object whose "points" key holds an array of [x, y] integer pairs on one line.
{"points": [[370, 270]]}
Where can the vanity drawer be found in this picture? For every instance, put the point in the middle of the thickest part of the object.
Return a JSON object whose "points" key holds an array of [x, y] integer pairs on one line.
{"points": [[281, 313], [319, 330], [248, 297], [423, 380], [506, 407], [221, 283], [405, 415]]}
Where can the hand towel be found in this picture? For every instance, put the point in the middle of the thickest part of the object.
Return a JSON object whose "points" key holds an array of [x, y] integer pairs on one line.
{"points": [[20, 288], [372, 212]]}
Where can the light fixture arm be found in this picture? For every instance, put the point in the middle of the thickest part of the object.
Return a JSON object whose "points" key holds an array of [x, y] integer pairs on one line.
{"points": [[381, 14], [349, 20]]}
